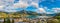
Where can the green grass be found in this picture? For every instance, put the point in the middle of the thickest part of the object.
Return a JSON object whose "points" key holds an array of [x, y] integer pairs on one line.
{"points": [[59, 20]]}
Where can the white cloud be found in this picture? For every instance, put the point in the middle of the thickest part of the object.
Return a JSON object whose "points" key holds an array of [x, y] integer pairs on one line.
{"points": [[36, 1], [49, 12], [35, 4], [56, 10], [1, 8], [24, 4], [20, 4], [10, 10], [6, 2], [41, 10], [12, 7]]}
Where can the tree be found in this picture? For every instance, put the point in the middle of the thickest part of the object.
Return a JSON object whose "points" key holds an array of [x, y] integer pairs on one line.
{"points": [[12, 20], [8, 20]]}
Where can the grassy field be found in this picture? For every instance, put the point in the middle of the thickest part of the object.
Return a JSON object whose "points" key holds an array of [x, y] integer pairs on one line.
{"points": [[59, 20]]}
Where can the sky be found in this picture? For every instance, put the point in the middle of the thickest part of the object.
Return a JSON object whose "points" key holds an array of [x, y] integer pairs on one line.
{"points": [[39, 6]]}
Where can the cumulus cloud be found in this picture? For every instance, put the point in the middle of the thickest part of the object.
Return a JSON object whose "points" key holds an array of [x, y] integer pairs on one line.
{"points": [[10, 9], [35, 4], [4, 3], [20, 5], [48, 11], [25, 3], [1, 8], [56, 10], [53, 10], [41, 10], [9, 5]]}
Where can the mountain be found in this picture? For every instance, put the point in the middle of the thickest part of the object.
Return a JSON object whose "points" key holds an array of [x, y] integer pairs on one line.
{"points": [[29, 13]]}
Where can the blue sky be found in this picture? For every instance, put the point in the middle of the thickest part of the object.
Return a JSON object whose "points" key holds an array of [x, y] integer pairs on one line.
{"points": [[43, 6]]}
